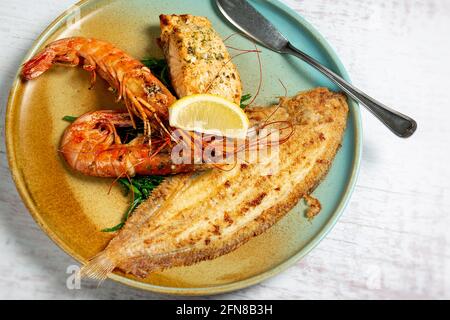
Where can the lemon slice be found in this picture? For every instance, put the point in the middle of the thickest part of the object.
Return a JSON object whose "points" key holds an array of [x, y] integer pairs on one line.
{"points": [[206, 113]]}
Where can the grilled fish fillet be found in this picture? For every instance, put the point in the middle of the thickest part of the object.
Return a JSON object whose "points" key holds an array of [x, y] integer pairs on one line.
{"points": [[198, 59], [196, 217]]}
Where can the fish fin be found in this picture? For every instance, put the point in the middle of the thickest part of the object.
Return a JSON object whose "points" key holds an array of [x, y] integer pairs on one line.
{"points": [[98, 268]]}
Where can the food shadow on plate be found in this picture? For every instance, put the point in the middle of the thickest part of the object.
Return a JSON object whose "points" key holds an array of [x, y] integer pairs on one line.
{"points": [[153, 49]]}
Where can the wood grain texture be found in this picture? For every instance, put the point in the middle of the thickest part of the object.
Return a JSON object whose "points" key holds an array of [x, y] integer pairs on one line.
{"points": [[393, 239]]}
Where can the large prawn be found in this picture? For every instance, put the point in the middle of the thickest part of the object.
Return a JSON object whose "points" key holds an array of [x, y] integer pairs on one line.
{"points": [[144, 95], [97, 144], [93, 146]]}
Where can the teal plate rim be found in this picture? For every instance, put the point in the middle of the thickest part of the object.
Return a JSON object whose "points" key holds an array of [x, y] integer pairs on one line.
{"points": [[220, 289]]}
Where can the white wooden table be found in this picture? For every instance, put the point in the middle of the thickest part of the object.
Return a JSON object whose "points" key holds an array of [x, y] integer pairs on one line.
{"points": [[393, 241]]}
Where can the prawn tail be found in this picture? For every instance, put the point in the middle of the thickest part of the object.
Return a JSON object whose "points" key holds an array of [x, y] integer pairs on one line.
{"points": [[98, 268], [38, 65]]}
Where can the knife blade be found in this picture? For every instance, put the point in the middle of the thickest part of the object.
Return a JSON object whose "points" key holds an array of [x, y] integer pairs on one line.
{"points": [[247, 19]]}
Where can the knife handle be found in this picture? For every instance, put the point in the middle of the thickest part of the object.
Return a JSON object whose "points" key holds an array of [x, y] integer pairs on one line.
{"points": [[400, 124]]}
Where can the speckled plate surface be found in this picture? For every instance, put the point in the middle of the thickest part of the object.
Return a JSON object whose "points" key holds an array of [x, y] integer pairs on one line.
{"points": [[72, 209]]}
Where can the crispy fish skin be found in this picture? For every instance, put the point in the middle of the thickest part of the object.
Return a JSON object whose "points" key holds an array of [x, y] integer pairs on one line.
{"points": [[192, 218], [198, 59]]}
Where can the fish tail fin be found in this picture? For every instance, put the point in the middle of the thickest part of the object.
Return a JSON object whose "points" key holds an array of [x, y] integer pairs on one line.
{"points": [[99, 267]]}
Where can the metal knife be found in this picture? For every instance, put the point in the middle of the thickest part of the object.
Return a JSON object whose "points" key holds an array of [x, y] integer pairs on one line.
{"points": [[247, 19]]}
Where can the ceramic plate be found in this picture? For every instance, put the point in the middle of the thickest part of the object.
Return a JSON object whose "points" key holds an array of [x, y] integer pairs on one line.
{"points": [[72, 209]]}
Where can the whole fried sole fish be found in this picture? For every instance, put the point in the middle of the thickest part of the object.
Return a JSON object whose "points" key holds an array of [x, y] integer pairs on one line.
{"points": [[192, 218]]}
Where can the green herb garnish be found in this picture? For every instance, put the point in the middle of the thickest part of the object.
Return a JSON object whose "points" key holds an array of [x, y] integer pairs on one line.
{"points": [[142, 188], [244, 99], [160, 69], [70, 119]]}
